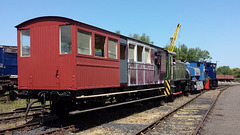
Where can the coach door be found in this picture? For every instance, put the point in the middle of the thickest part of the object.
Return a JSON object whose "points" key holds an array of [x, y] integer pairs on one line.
{"points": [[123, 61], [44, 52], [66, 67]]}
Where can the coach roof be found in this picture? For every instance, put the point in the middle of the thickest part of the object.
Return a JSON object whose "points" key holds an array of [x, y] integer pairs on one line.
{"points": [[71, 21], [59, 19]]}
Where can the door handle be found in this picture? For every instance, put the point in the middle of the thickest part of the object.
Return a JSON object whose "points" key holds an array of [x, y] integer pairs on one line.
{"points": [[56, 73]]}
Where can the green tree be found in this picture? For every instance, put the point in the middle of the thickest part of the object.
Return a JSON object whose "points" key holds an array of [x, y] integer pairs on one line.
{"points": [[236, 72], [224, 70], [117, 31], [183, 52], [135, 36], [204, 54], [143, 37], [191, 54]]}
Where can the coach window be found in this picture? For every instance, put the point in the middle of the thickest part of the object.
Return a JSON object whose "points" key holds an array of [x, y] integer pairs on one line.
{"points": [[139, 53], [84, 42], [25, 43], [99, 45], [147, 55], [65, 39], [131, 52], [112, 48], [198, 64], [122, 52]]}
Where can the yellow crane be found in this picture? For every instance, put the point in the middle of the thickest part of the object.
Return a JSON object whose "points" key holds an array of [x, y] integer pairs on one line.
{"points": [[173, 38]]}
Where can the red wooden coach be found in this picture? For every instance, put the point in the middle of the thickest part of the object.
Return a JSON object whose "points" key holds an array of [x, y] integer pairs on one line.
{"points": [[57, 53], [77, 66]]}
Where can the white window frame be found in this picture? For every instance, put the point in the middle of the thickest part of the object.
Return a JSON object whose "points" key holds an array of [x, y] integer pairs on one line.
{"points": [[116, 52], [149, 55], [104, 48], [143, 55], [134, 55], [90, 44], [21, 49], [60, 44]]}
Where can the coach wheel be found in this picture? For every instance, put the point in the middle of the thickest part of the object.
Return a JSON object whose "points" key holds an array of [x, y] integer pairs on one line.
{"points": [[12, 95], [99, 102], [171, 98], [121, 98], [41, 119], [60, 112], [161, 102], [210, 87], [61, 109], [166, 100]]}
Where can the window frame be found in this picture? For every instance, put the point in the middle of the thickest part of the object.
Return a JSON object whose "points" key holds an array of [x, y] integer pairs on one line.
{"points": [[124, 53], [60, 44], [91, 41], [198, 64], [149, 55], [105, 44], [134, 50], [142, 56], [116, 48], [21, 49]]}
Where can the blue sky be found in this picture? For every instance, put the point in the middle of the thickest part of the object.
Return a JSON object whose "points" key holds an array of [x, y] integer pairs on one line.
{"points": [[211, 25]]}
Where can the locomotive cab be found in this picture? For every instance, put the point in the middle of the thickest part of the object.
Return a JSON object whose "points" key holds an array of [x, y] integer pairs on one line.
{"points": [[211, 73]]}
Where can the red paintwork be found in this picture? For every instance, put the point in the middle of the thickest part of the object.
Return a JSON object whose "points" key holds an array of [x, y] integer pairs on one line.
{"points": [[207, 85], [75, 71], [140, 71], [177, 93], [162, 69], [132, 73], [225, 77], [149, 74]]}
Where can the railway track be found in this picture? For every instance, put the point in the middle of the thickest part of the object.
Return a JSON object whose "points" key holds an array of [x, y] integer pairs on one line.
{"points": [[20, 110], [186, 119], [4, 99], [74, 126], [37, 124], [25, 127], [65, 128], [62, 130], [15, 118], [32, 108], [18, 115]]}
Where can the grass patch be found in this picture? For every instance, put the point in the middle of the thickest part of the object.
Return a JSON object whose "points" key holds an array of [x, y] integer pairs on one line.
{"points": [[11, 105]]}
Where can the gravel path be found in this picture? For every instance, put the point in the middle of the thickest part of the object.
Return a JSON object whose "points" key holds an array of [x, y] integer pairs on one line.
{"points": [[123, 119], [186, 120], [225, 117], [131, 124]]}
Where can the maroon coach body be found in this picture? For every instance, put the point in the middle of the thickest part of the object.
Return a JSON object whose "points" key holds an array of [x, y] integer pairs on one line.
{"points": [[78, 67], [57, 53]]}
